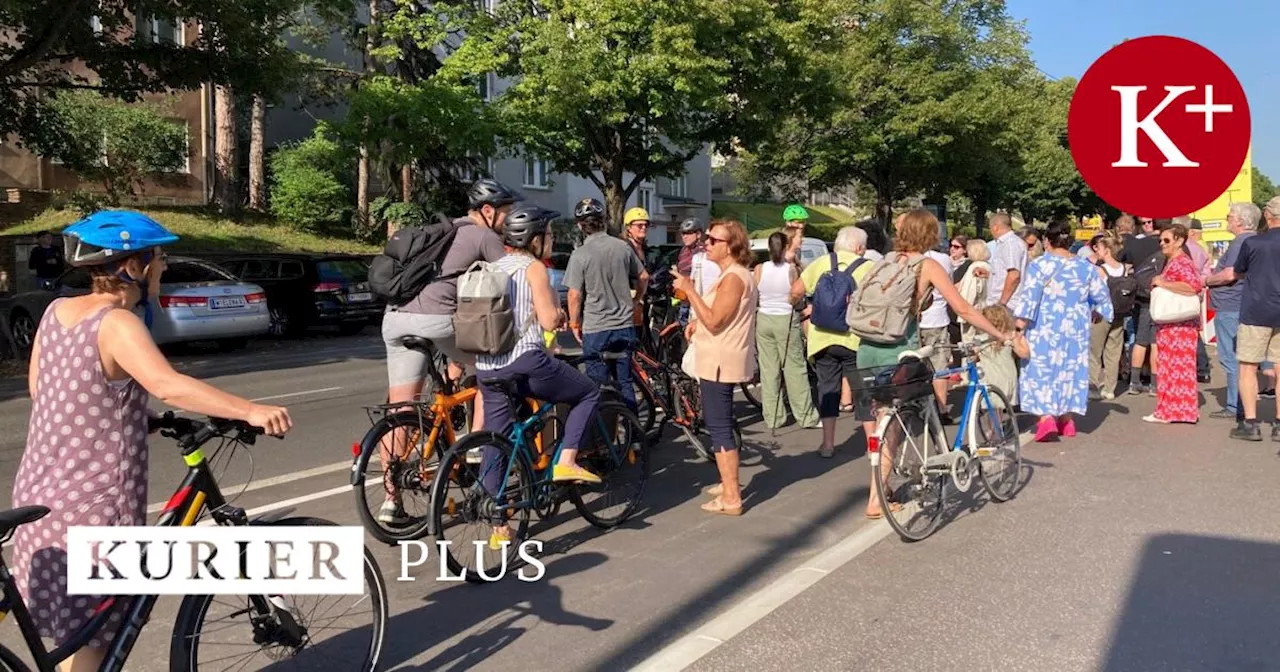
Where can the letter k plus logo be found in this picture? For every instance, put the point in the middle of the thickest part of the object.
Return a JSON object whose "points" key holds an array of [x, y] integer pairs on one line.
{"points": [[1159, 127]]}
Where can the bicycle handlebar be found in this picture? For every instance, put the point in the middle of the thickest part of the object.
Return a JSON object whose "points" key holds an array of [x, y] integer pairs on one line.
{"points": [[967, 349], [196, 432]]}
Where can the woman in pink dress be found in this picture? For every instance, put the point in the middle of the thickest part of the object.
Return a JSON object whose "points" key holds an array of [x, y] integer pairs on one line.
{"points": [[93, 368], [1177, 399]]}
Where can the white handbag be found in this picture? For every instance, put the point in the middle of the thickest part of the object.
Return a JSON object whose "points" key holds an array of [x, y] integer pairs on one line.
{"points": [[1169, 307]]}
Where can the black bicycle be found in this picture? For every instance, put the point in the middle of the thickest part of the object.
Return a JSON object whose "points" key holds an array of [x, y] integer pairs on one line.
{"points": [[212, 632]]}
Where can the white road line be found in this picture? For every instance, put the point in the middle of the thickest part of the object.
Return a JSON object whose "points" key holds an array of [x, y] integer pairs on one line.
{"points": [[274, 480], [688, 649], [297, 394], [289, 502]]}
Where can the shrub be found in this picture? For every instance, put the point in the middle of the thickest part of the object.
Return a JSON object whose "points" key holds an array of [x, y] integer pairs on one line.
{"points": [[306, 190], [387, 216]]}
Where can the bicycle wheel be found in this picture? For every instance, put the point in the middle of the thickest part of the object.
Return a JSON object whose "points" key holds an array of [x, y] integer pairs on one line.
{"points": [[10, 662], [687, 399], [372, 478], [910, 498], [464, 512], [998, 450], [303, 632], [751, 391], [614, 449]]}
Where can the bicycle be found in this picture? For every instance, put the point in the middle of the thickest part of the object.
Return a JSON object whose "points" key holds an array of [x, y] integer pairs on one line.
{"points": [[408, 438], [280, 626], [909, 454], [614, 448]]}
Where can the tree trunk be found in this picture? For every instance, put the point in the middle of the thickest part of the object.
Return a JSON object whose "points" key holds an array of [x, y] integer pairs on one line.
{"points": [[884, 204], [224, 165], [257, 166], [979, 213], [362, 189], [615, 203], [406, 183]]}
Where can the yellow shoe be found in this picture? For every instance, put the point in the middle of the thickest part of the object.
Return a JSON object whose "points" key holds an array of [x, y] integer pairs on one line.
{"points": [[498, 536], [561, 473]]}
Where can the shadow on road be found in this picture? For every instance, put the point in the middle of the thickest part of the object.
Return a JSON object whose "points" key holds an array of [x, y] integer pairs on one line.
{"points": [[1200, 603]]}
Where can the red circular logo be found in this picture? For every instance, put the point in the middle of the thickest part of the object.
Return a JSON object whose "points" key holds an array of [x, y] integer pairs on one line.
{"points": [[1159, 127]]}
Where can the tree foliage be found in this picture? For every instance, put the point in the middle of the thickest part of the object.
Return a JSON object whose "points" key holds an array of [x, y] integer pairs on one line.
{"points": [[1262, 188], [308, 189], [621, 92], [118, 145]]}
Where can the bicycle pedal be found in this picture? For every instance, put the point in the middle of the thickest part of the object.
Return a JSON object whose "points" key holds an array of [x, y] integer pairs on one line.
{"points": [[984, 452], [475, 456]]}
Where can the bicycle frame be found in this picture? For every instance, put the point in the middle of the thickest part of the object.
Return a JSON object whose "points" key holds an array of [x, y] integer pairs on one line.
{"points": [[976, 390], [198, 491]]}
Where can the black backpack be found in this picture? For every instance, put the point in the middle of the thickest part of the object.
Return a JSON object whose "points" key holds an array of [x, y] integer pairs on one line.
{"points": [[1145, 272], [1124, 290], [412, 260]]}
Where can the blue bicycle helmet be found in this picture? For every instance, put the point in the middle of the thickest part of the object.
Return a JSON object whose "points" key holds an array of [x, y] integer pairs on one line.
{"points": [[111, 235]]}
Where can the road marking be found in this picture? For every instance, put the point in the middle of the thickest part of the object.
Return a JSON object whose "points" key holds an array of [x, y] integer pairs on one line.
{"points": [[688, 649], [274, 480], [297, 394], [207, 521]]}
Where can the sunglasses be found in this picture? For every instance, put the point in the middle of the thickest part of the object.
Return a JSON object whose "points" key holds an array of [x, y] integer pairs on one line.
{"points": [[713, 239], [1166, 241], [957, 246], [1031, 245]]}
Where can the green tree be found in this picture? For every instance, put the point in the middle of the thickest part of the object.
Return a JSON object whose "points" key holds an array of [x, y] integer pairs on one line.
{"points": [[53, 46], [620, 92], [121, 146], [308, 189], [1263, 189], [921, 106]]}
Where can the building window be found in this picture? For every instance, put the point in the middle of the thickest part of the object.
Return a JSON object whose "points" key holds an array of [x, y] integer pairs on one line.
{"points": [[680, 187], [644, 199], [160, 31], [486, 87], [536, 173]]}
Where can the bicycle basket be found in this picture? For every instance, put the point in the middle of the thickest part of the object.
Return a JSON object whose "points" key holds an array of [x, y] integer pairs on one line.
{"points": [[893, 384]]}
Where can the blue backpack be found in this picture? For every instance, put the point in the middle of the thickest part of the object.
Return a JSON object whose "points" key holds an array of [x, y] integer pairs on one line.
{"points": [[831, 297]]}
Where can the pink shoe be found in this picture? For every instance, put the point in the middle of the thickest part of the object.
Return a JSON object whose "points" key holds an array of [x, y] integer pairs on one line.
{"points": [[1047, 429], [1067, 427]]}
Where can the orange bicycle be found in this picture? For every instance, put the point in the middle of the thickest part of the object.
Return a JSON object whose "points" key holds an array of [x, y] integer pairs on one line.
{"points": [[397, 458]]}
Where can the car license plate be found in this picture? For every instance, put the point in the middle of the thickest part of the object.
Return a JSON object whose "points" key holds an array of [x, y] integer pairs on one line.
{"points": [[227, 302], [360, 297]]}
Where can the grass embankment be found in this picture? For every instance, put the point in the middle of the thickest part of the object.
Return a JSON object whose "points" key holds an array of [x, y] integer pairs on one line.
{"points": [[761, 219], [204, 231]]}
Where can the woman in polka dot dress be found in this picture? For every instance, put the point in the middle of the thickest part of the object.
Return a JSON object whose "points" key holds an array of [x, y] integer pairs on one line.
{"points": [[93, 364]]}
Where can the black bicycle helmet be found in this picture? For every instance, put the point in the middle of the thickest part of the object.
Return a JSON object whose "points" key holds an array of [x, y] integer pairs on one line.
{"points": [[691, 225], [492, 192], [588, 207], [526, 222]]}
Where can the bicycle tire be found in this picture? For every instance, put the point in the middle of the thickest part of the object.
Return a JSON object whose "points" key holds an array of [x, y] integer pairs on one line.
{"points": [[691, 414], [419, 526], [184, 649], [904, 486], [598, 455], [473, 505], [10, 662], [1000, 489], [751, 391]]}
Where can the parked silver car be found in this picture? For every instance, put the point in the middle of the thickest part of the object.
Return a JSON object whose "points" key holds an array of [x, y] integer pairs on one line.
{"points": [[198, 302]]}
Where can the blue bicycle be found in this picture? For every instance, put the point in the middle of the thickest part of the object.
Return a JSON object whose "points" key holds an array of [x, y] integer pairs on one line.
{"points": [[914, 465], [488, 483]]}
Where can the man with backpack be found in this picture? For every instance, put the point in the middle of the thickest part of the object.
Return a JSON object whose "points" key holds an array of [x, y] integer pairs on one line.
{"points": [[602, 275], [417, 275], [1143, 253], [830, 283]]}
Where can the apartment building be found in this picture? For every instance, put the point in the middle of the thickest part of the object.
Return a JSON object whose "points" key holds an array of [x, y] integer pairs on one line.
{"points": [[22, 170]]}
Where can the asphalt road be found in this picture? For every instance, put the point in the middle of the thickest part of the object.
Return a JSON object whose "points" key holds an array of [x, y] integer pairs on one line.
{"points": [[1133, 547]]}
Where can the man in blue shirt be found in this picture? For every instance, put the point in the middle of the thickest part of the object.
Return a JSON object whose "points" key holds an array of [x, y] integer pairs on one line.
{"points": [[1224, 296], [1257, 266]]}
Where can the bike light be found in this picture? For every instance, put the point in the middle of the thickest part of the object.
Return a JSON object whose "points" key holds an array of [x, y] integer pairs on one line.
{"points": [[873, 444], [355, 450]]}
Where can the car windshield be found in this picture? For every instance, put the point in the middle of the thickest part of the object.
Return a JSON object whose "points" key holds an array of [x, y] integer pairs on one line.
{"points": [[343, 270], [180, 272]]}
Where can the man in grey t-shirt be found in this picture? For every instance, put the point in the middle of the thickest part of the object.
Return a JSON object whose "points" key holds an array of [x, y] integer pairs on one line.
{"points": [[601, 274]]}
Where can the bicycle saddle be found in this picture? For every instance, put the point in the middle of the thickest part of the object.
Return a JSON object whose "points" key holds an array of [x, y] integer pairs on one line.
{"points": [[13, 518]]}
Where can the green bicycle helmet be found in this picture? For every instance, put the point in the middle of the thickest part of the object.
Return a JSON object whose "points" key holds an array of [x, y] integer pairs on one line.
{"points": [[795, 213]]}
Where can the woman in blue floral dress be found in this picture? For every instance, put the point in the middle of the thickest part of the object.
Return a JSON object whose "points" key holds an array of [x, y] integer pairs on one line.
{"points": [[1055, 307]]}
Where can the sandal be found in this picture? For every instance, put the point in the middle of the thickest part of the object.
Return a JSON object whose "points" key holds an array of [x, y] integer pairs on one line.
{"points": [[846, 408], [713, 490], [717, 507]]}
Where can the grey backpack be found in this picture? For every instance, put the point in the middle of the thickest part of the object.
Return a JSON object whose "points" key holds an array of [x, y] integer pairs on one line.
{"points": [[884, 305], [484, 323]]}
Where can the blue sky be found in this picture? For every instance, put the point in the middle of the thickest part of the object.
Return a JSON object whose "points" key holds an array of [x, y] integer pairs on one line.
{"points": [[1068, 35]]}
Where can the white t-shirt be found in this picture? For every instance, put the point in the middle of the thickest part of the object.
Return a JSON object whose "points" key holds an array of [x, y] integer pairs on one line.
{"points": [[705, 273], [935, 317]]}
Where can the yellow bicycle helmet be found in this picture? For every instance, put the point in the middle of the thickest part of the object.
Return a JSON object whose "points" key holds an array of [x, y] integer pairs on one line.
{"points": [[635, 215]]}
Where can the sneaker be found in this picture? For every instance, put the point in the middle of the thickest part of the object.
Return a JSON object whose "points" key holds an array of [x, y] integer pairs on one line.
{"points": [[1247, 430], [1108, 395], [1223, 414], [1151, 390], [1137, 388], [392, 513], [561, 473], [1046, 429], [1275, 432], [1267, 394], [1094, 394], [1204, 378], [1067, 428]]}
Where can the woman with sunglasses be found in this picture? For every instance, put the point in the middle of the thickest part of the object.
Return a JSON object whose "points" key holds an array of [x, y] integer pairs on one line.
{"points": [[1177, 399], [959, 250], [93, 369]]}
